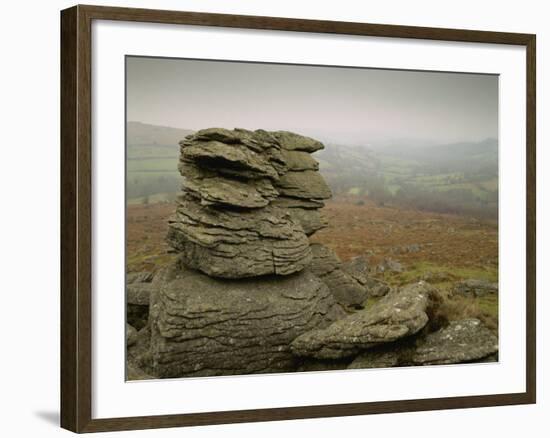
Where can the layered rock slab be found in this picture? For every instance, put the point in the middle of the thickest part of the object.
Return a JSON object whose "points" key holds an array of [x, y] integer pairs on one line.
{"points": [[327, 266], [238, 244], [201, 326], [461, 341], [358, 268], [399, 314]]}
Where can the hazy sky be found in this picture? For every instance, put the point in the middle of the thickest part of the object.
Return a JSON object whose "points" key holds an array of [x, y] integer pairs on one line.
{"points": [[331, 103]]}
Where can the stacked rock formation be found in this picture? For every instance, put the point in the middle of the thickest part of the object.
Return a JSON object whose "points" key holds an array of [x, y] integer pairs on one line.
{"points": [[250, 294], [241, 290], [249, 201]]}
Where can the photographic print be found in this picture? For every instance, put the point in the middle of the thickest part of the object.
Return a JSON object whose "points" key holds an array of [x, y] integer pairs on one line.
{"points": [[293, 218]]}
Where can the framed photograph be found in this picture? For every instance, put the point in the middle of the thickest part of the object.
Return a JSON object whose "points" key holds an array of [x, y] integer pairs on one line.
{"points": [[270, 218]]}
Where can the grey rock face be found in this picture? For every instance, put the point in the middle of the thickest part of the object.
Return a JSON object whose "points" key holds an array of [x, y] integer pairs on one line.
{"points": [[376, 288], [241, 153], [212, 189], [295, 142], [375, 359], [389, 265], [327, 266], [201, 326], [139, 277], [238, 244], [138, 356], [399, 314], [307, 184], [250, 199], [475, 288], [358, 268], [131, 335], [461, 341], [138, 293], [298, 160], [310, 220]]}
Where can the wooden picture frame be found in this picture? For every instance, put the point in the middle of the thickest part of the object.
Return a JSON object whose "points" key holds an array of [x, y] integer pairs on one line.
{"points": [[76, 217]]}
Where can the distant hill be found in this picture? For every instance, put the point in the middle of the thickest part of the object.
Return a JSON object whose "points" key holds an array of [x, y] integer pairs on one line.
{"points": [[138, 133], [151, 162], [454, 178]]}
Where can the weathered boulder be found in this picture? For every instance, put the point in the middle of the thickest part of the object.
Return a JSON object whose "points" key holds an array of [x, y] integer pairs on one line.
{"points": [[308, 364], [358, 268], [131, 335], [238, 244], [212, 189], [139, 277], [466, 340], [327, 266], [295, 142], [389, 265], [138, 290], [399, 314], [139, 293], [237, 153], [475, 288], [201, 326], [376, 288], [138, 359], [307, 184], [310, 220], [290, 202], [375, 359], [298, 160]]}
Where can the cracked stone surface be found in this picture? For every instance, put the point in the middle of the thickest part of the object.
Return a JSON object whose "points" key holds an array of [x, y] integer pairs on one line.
{"points": [[327, 266], [238, 244], [466, 340], [399, 314], [201, 326]]}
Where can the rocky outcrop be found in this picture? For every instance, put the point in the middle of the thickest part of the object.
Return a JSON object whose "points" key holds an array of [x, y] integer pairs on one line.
{"points": [[461, 341], [138, 290], [327, 266], [131, 335], [399, 314], [250, 199], [475, 288], [358, 268], [238, 244], [202, 326]]}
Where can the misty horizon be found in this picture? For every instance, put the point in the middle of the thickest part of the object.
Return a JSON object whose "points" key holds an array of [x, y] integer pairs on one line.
{"points": [[334, 104]]}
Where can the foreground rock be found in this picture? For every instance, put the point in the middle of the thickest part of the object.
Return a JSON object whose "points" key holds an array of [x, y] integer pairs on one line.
{"points": [[238, 244], [358, 268], [138, 290], [375, 359], [399, 314], [462, 341], [475, 288], [138, 357], [327, 266], [201, 326]]}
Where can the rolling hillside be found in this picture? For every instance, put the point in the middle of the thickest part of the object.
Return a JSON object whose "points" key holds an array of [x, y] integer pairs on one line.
{"points": [[460, 178]]}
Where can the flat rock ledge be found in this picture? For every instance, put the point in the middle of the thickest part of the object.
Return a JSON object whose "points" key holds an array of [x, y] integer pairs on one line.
{"points": [[399, 314], [202, 326]]}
